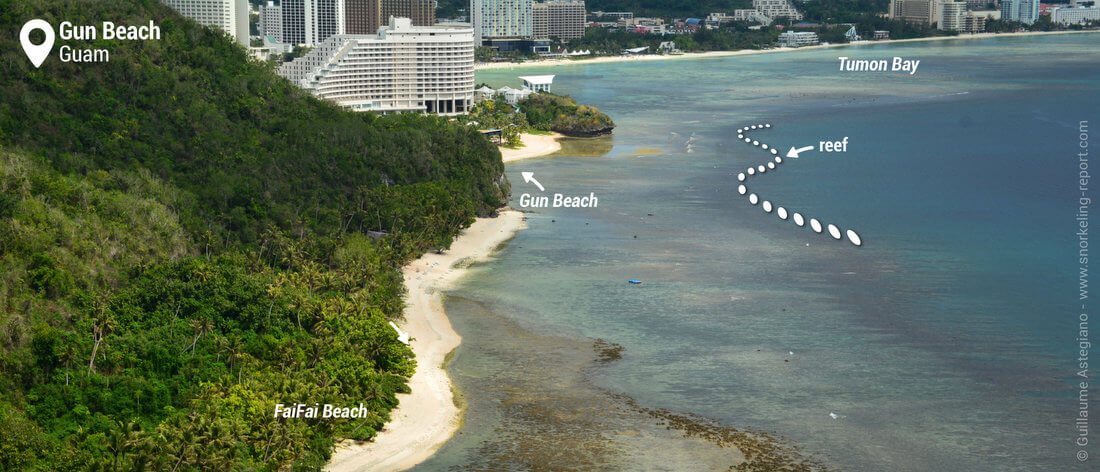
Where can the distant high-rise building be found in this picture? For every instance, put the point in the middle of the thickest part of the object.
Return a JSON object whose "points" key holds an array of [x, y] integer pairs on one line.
{"points": [[367, 16], [563, 19], [297, 21], [951, 16], [330, 19], [310, 22], [502, 19], [404, 68], [421, 12], [271, 21], [914, 11], [1024, 11], [363, 16], [230, 16]]}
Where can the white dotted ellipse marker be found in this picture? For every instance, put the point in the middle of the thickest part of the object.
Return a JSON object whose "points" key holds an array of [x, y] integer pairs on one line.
{"points": [[741, 177], [767, 125], [767, 206], [797, 217], [764, 146], [753, 199], [771, 165], [760, 168], [753, 127], [854, 238], [741, 189], [834, 232], [751, 171], [747, 140], [782, 212], [756, 143], [778, 160], [815, 225], [775, 151]]}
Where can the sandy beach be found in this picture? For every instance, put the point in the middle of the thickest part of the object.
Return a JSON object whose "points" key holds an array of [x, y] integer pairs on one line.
{"points": [[534, 145], [746, 52], [427, 417]]}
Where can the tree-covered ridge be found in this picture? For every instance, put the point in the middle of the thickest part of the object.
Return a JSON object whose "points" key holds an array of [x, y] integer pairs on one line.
{"points": [[184, 244], [254, 149], [541, 111], [547, 111]]}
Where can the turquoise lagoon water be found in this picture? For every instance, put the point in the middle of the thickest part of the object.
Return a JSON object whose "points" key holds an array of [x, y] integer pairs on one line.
{"points": [[945, 344]]}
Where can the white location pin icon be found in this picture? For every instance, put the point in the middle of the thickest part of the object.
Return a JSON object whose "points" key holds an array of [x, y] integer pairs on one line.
{"points": [[36, 52]]}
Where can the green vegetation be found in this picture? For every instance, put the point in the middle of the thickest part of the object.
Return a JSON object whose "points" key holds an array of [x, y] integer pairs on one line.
{"points": [[669, 8], [547, 111], [540, 112], [729, 38], [451, 8], [498, 114], [183, 243]]}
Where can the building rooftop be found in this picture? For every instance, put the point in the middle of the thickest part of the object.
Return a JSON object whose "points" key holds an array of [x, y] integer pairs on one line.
{"points": [[538, 79]]}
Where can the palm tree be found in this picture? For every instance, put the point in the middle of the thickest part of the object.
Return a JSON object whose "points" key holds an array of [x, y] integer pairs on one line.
{"points": [[103, 323], [201, 326]]}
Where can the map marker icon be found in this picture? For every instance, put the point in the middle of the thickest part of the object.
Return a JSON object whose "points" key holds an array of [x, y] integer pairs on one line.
{"points": [[37, 53]]}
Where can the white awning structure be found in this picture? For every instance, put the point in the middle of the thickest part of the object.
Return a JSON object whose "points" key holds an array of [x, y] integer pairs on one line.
{"points": [[537, 83]]}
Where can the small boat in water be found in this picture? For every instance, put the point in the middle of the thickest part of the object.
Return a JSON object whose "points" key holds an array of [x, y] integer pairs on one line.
{"points": [[635, 282]]}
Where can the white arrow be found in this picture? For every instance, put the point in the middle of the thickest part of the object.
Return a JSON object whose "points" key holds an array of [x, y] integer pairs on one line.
{"points": [[401, 335], [529, 177], [793, 153]]}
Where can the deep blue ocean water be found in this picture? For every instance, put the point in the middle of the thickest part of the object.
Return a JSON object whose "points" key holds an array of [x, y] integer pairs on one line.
{"points": [[945, 343]]}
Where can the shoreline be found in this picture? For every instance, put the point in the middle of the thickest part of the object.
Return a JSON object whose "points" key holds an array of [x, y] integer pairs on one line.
{"points": [[427, 417], [748, 52], [534, 145]]}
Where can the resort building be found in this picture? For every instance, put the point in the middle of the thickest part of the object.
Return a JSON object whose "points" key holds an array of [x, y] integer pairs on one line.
{"points": [[367, 16], [741, 14], [914, 11], [421, 12], [362, 16], [1024, 11], [793, 39], [777, 9], [403, 68], [310, 22], [618, 15], [1075, 15], [502, 20], [951, 16], [562, 19], [230, 16], [973, 23], [271, 21]]}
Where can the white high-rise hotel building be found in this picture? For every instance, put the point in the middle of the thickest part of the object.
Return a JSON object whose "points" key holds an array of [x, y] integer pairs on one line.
{"points": [[1024, 11], [401, 69], [230, 16], [310, 22], [271, 21], [502, 19]]}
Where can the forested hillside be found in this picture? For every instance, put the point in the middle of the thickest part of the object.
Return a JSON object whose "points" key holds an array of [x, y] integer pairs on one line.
{"points": [[183, 245]]}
